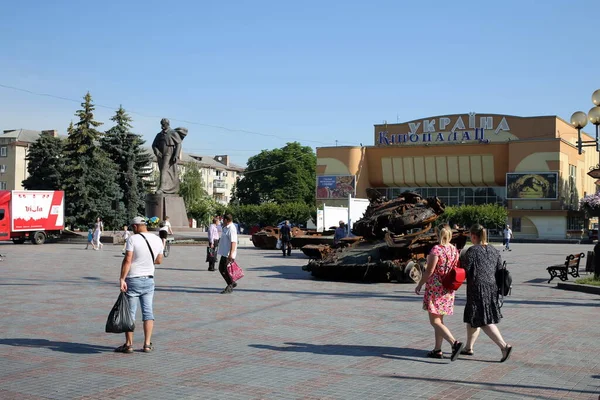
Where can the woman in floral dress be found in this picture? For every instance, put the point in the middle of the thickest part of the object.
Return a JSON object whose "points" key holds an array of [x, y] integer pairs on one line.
{"points": [[439, 301]]}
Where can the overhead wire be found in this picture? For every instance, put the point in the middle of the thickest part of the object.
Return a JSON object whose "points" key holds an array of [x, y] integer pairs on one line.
{"points": [[221, 127]]}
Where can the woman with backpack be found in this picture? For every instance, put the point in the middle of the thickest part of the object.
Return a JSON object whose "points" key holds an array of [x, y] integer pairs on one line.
{"points": [[482, 310], [437, 300]]}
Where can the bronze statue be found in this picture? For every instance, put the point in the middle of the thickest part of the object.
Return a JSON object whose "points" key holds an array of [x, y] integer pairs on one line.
{"points": [[167, 148]]}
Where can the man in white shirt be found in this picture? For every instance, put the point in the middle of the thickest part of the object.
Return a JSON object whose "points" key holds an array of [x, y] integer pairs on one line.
{"points": [[227, 251], [137, 279], [507, 236]]}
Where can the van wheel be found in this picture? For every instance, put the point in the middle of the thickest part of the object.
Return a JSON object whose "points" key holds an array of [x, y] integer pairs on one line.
{"points": [[38, 238], [18, 241]]}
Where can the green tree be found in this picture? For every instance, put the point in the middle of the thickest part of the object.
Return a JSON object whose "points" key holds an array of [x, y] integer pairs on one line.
{"points": [[191, 188], [491, 216], [45, 164], [90, 176], [125, 149], [280, 175]]}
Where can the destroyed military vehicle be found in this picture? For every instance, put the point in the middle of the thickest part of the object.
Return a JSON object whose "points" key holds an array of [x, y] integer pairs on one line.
{"points": [[396, 236]]}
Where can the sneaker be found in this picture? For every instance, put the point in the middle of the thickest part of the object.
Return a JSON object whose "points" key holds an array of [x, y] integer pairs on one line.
{"points": [[234, 285], [228, 289]]}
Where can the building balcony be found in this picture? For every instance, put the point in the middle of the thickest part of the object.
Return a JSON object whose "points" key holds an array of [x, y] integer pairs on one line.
{"points": [[219, 186]]}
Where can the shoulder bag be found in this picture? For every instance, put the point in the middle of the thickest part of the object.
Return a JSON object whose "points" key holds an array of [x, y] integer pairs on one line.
{"points": [[453, 278], [149, 248], [504, 283]]}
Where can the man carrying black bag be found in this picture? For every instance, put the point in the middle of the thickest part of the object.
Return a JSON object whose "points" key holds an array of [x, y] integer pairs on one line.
{"points": [[142, 251]]}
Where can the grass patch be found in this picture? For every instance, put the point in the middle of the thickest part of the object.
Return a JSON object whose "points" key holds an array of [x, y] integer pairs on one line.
{"points": [[588, 281]]}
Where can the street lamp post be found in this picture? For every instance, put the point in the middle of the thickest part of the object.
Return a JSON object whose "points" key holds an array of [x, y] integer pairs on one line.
{"points": [[579, 120]]}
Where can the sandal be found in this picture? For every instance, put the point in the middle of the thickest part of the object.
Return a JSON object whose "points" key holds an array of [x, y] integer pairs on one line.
{"points": [[148, 348], [466, 352], [435, 354], [456, 349], [506, 353], [124, 349]]}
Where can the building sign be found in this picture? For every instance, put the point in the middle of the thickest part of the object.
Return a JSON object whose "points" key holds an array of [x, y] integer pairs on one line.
{"points": [[335, 186], [532, 186], [469, 128]]}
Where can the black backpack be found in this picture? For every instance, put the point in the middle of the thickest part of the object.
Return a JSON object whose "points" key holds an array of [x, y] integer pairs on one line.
{"points": [[504, 282]]}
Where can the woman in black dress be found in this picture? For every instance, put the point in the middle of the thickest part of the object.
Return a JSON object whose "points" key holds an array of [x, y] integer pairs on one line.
{"points": [[482, 309]]}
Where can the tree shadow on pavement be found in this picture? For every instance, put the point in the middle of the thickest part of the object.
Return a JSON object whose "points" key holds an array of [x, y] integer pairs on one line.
{"points": [[65, 347], [397, 353], [242, 289], [286, 272], [496, 386]]}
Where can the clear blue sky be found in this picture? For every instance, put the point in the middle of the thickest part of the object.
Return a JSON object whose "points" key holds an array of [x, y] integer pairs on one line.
{"points": [[310, 71]]}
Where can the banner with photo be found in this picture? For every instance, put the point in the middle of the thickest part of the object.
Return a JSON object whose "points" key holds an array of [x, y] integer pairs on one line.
{"points": [[532, 185], [335, 186]]}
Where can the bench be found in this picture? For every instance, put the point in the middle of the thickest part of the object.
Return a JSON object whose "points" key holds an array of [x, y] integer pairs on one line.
{"points": [[570, 267]]}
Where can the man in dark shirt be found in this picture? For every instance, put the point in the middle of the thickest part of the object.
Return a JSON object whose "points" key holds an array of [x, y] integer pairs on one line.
{"points": [[285, 235]]}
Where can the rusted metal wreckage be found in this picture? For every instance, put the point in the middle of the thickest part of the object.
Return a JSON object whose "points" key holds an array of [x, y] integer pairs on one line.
{"points": [[267, 237], [396, 237]]}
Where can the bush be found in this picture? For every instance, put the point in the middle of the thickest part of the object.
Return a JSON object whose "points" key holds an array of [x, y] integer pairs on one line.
{"points": [[491, 216]]}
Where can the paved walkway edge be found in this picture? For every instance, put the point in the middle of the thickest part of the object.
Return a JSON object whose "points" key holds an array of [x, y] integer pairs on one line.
{"points": [[576, 287]]}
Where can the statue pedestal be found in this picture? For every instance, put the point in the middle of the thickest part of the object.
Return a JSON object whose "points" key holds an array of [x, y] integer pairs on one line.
{"points": [[165, 205]]}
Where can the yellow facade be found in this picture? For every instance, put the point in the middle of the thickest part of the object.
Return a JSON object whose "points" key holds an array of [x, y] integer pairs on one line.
{"points": [[466, 158]]}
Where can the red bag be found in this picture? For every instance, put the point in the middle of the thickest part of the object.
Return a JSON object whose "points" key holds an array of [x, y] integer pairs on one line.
{"points": [[454, 278], [234, 271]]}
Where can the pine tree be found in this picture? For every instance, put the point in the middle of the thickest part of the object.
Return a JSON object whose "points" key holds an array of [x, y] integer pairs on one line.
{"points": [[126, 150], [45, 164], [90, 176]]}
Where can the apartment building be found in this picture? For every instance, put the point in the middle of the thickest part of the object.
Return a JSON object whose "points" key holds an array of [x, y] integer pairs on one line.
{"points": [[218, 174], [14, 145]]}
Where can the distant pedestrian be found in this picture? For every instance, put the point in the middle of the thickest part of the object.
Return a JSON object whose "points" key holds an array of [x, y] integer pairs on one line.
{"points": [[98, 229], [340, 233], [285, 235], [482, 310], [125, 235], [439, 301], [228, 251], [213, 244], [137, 279], [219, 224], [90, 238], [508, 234], [165, 230]]}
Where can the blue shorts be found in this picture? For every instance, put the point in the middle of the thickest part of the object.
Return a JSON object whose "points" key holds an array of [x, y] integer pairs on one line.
{"points": [[142, 287]]}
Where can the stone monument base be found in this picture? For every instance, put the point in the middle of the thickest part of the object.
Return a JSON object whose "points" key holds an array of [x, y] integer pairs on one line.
{"points": [[165, 205]]}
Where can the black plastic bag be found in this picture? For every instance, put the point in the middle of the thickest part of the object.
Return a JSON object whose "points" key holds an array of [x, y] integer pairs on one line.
{"points": [[119, 319]]}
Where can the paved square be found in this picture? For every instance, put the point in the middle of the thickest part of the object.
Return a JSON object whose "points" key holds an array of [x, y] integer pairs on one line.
{"points": [[281, 334]]}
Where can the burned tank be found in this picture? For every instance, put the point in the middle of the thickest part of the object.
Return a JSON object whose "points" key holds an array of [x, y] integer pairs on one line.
{"points": [[396, 237]]}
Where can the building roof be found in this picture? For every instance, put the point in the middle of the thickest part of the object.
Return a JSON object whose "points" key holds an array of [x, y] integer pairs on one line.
{"points": [[209, 161], [21, 135]]}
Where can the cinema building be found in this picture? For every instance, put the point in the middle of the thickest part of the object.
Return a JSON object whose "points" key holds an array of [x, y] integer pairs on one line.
{"points": [[528, 164]]}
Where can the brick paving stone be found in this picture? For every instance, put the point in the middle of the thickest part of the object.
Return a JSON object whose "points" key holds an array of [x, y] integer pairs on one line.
{"points": [[281, 334]]}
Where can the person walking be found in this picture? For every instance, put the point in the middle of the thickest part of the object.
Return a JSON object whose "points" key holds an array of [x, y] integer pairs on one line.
{"points": [[90, 238], [437, 300], [508, 234], [125, 235], [213, 244], [137, 279], [285, 235], [98, 228], [228, 251], [482, 310]]}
